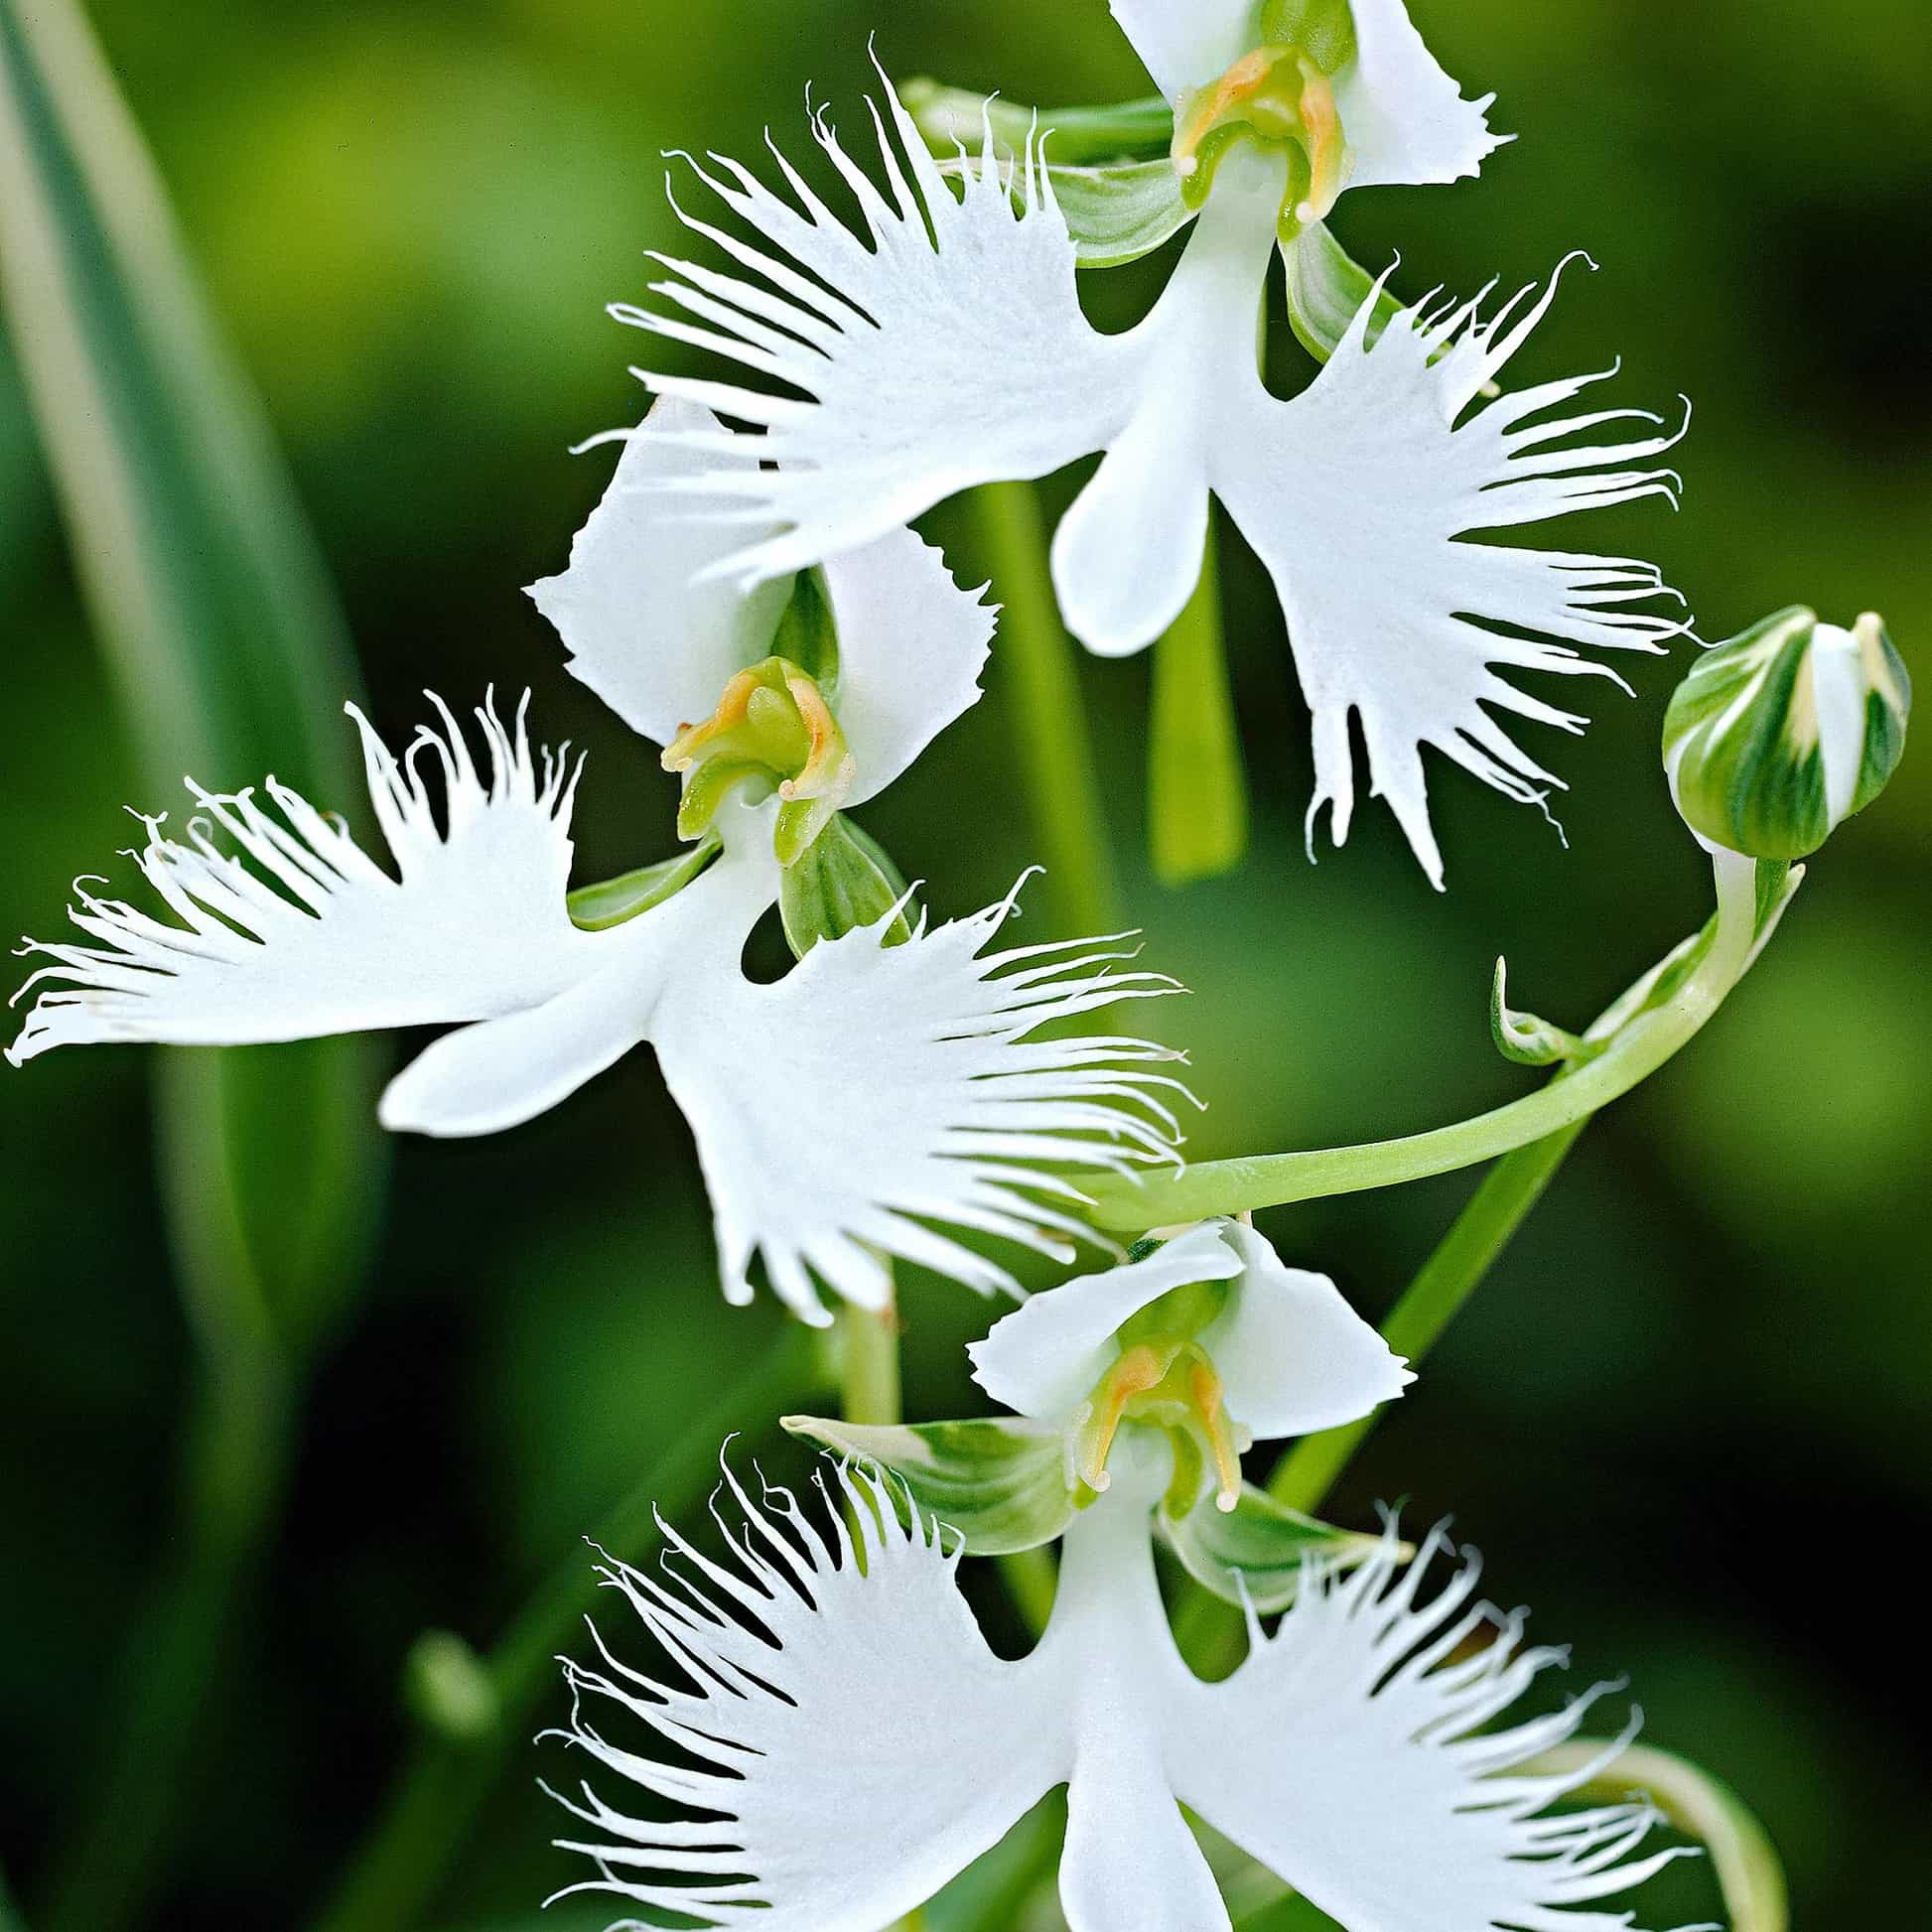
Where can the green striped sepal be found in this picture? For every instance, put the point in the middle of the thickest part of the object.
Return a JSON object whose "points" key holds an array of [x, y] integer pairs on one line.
{"points": [[1779, 736]]}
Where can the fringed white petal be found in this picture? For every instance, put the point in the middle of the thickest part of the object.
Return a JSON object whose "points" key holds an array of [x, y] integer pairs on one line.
{"points": [[1350, 1755], [942, 346], [1293, 1355], [1045, 1358], [1404, 118], [656, 638], [278, 926], [1188, 45], [826, 1704], [1354, 495], [876, 1089], [651, 639]]}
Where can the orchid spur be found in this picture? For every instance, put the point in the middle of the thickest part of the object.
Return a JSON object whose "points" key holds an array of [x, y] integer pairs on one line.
{"points": [[880, 1087], [942, 345], [855, 1742]]}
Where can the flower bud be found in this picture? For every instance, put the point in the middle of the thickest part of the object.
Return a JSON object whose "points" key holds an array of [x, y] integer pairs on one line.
{"points": [[1779, 736]]}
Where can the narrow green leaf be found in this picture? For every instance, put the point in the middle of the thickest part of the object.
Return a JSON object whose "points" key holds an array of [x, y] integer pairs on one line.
{"points": [[1700, 1806], [1256, 1550], [1197, 794], [214, 607], [1000, 1481], [611, 901], [207, 593]]}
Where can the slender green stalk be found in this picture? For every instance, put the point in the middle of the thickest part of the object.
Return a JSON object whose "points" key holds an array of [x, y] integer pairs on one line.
{"points": [[433, 1805], [1637, 1051], [1304, 1477], [868, 1390], [1056, 749], [1698, 1805], [1196, 792], [10, 1919]]}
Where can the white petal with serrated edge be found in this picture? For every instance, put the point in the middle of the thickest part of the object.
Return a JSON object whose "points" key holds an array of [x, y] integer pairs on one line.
{"points": [[651, 639], [657, 641], [1044, 1358], [848, 1741], [942, 346], [855, 1742], [1187, 42], [1404, 119], [1292, 1354], [1354, 495], [296, 932], [1348, 1754], [876, 1089]]}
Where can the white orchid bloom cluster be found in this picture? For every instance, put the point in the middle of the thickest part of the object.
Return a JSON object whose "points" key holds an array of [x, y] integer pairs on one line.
{"points": [[877, 1094], [828, 1737], [942, 345], [1352, 1754]]}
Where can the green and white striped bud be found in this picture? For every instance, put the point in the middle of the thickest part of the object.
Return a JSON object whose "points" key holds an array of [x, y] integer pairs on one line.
{"points": [[1779, 736]]}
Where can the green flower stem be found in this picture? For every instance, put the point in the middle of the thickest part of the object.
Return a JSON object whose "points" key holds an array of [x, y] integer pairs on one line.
{"points": [[10, 1919], [1698, 1805], [868, 1390], [1197, 800], [1055, 757], [1637, 1051], [395, 1878], [1446, 1280]]}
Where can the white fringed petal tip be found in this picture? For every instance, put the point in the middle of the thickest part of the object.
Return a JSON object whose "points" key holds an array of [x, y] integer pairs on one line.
{"points": [[843, 1741], [1292, 1354], [854, 1109]]}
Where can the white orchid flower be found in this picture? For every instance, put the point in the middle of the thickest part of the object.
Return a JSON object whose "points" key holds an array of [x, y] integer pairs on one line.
{"points": [[876, 1089], [1212, 1327], [942, 345], [848, 1741]]}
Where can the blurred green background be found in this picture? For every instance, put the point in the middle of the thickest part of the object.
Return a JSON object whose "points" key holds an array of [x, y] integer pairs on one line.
{"points": [[1686, 1418]]}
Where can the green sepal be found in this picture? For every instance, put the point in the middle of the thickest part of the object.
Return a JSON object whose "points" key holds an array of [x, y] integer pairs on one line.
{"points": [[807, 635], [842, 880], [611, 901], [1526, 1037], [953, 118], [1254, 1552], [998, 1481], [1326, 288], [1109, 166], [1119, 212]]}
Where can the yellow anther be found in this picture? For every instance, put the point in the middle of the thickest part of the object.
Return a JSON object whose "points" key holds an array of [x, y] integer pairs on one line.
{"points": [[828, 770], [734, 708], [1136, 1371]]}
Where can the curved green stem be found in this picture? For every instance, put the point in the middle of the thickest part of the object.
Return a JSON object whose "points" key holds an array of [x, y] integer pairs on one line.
{"points": [[1055, 757], [1702, 1807], [868, 1390], [1304, 1477], [1635, 1052], [434, 1800]]}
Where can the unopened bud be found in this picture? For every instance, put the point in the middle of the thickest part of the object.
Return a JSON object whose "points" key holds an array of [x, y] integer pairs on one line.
{"points": [[1779, 736]]}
